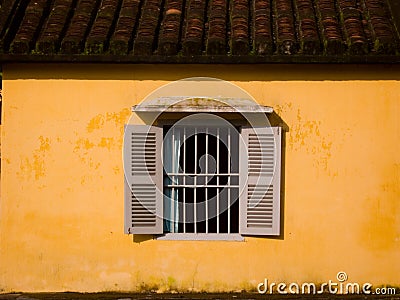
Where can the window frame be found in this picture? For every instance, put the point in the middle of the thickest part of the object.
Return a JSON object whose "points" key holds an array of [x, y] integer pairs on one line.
{"points": [[230, 185], [161, 122]]}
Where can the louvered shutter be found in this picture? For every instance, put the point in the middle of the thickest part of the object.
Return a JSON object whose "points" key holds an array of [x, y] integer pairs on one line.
{"points": [[143, 179], [260, 171]]}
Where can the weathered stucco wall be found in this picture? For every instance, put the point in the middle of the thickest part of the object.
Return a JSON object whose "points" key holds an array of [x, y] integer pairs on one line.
{"points": [[62, 181]]}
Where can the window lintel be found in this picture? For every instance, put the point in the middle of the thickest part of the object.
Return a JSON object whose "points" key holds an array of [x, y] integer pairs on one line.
{"points": [[187, 104]]}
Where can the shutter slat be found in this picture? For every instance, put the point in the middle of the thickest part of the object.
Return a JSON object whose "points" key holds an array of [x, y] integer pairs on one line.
{"points": [[143, 181], [260, 181]]}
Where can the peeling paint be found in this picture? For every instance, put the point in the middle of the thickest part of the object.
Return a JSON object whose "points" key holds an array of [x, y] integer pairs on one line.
{"points": [[116, 170], [282, 109], [99, 122], [305, 135], [106, 143], [119, 118], [83, 143], [95, 123], [44, 143]]}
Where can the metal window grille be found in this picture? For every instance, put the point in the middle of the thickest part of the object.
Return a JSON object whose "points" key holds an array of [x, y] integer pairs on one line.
{"points": [[204, 188]]}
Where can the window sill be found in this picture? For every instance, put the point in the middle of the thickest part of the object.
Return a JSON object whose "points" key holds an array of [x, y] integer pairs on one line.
{"points": [[234, 237]]}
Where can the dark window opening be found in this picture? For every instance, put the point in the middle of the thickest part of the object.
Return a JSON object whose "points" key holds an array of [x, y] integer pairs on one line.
{"points": [[201, 179]]}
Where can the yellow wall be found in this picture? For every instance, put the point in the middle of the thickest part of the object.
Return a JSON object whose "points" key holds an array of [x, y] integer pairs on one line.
{"points": [[61, 225]]}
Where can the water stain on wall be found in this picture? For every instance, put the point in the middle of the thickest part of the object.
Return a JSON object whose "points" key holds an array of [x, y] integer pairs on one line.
{"points": [[34, 167], [380, 229]]}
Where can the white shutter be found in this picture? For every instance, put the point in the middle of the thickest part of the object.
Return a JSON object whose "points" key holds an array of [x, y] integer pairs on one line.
{"points": [[143, 179], [260, 171]]}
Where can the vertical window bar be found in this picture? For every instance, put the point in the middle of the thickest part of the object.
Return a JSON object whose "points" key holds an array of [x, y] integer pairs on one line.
{"points": [[172, 206], [205, 181], [184, 180], [218, 160], [217, 154], [195, 181], [229, 179], [218, 189]]}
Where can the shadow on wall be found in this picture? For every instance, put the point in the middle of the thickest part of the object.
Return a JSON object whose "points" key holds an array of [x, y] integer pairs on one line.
{"points": [[259, 72], [140, 238], [276, 120], [1, 97], [1, 104]]}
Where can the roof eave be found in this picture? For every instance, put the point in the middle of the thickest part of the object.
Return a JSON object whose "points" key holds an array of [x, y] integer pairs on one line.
{"points": [[201, 59]]}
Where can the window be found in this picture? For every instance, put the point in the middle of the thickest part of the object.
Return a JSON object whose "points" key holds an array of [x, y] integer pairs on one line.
{"points": [[202, 176], [201, 179]]}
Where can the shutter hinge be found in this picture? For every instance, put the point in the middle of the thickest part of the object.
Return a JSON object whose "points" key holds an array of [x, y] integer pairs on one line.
{"points": [[129, 230]]}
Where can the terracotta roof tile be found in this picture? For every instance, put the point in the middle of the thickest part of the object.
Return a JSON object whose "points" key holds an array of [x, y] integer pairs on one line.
{"points": [[127, 21], [194, 27], [79, 26], [262, 27], [217, 27], [239, 20], [307, 27], [205, 31], [145, 40], [50, 37], [97, 40], [170, 30], [24, 39]]}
